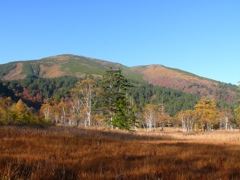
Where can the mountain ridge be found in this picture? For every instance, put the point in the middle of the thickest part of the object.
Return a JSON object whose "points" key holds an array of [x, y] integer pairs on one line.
{"points": [[155, 74]]}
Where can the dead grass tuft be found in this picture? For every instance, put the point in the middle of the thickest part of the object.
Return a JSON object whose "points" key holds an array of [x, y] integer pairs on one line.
{"points": [[73, 153]]}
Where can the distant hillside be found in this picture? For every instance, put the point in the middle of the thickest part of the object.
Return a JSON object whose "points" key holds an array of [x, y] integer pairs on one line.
{"points": [[62, 65], [80, 66], [187, 82]]}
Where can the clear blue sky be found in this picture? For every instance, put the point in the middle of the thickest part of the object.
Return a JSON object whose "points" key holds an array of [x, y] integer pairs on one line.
{"points": [[199, 36]]}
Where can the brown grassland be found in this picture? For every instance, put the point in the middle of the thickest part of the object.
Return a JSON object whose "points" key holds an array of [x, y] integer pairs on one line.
{"points": [[75, 153]]}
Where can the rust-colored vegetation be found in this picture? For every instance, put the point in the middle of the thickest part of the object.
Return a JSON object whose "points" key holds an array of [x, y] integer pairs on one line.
{"points": [[74, 153], [159, 75], [15, 73]]}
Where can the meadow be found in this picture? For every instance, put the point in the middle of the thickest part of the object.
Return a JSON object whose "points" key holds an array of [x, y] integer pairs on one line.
{"points": [[76, 153]]}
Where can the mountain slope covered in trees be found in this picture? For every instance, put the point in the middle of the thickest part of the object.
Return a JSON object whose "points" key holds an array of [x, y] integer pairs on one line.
{"points": [[120, 102], [156, 75]]}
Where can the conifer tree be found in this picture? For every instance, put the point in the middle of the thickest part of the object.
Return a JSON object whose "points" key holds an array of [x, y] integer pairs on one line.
{"points": [[117, 107]]}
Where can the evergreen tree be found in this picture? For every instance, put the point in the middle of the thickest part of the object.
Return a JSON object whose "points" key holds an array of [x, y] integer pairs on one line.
{"points": [[117, 107]]}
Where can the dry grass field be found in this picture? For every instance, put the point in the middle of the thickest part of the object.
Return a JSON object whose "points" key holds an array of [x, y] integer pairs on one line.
{"points": [[74, 153]]}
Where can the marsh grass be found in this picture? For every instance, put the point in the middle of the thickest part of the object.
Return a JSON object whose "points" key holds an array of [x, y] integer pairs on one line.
{"points": [[73, 153]]}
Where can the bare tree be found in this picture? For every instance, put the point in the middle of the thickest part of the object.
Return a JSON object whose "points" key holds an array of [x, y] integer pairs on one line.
{"points": [[47, 111], [76, 106], [150, 115], [225, 118], [86, 92], [188, 120]]}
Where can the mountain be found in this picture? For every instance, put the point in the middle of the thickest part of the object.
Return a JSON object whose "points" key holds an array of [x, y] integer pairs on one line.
{"points": [[157, 75], [57, 66]]}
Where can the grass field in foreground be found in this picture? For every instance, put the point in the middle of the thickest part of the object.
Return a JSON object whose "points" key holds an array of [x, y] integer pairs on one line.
{"points": [[74, 153]]}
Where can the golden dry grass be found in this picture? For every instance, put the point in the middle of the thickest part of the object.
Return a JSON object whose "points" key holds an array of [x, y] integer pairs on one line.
{"points": [[73, 153], [213, 137]]}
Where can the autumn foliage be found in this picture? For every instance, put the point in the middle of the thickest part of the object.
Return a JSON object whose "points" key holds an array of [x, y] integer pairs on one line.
{"points": [[18, 113]]}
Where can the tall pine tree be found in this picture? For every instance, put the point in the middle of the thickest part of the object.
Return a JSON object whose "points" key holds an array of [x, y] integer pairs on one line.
{"points": [[117, 107]]}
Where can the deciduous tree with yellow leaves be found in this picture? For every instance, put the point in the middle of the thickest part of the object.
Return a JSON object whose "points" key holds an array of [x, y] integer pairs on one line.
{"points": [[86, 92], [206, 111]]}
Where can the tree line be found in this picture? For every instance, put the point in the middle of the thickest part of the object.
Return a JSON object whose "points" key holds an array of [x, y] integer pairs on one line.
{"points": [[114, 102]]}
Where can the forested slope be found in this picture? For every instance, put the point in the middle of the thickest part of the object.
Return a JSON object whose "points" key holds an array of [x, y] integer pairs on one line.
{"points": [[37, 80], [35, 91]]}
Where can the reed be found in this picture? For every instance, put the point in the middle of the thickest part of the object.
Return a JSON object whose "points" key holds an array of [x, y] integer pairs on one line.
{"points": [[74, 153]]}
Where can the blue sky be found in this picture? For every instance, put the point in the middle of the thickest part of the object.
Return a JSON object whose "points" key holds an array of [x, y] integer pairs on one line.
{"points": [[199, 36]]}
